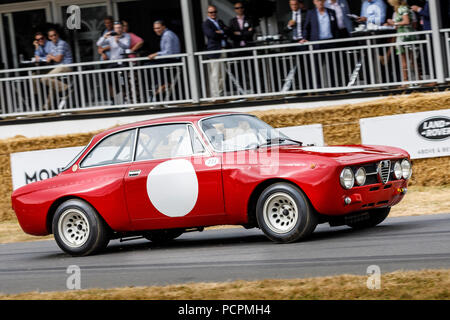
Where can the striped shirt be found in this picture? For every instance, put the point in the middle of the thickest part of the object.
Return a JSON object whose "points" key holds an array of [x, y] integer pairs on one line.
{"points": [[61, 48]]}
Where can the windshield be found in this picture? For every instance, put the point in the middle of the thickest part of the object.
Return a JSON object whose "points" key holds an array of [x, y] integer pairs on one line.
{"points": [[240, 132]]}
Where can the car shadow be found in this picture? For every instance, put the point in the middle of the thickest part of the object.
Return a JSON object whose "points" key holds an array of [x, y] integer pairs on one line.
{"points": [[241, 237]]}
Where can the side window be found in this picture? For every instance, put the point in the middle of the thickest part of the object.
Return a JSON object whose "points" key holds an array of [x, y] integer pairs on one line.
{"points": [[163, 142], [197, 145], [117, 148]]}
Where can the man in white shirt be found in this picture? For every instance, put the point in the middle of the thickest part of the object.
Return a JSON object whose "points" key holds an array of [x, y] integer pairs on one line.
{"points": [[117, 41], [343, 21]]}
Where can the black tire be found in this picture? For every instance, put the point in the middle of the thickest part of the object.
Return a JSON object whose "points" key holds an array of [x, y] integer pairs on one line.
{"points": [[297, 228], [94, 240], [376, 216], [163, 236]]}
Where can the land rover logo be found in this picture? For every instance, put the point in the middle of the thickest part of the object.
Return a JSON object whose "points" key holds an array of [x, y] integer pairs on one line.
{"points": [[434, 128]]}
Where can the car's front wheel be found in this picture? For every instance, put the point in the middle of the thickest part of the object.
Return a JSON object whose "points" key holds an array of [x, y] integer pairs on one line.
{"points": [[78, 228], [284, 213], [376, 216]]}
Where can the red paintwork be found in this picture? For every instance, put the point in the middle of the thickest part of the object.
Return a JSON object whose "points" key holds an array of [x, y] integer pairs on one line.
{"points": [[224, 190]]}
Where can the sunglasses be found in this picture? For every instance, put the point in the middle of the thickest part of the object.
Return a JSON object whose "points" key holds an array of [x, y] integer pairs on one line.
{"points": [[212, 11], [39, 39], [51, 35], [237, 8]]}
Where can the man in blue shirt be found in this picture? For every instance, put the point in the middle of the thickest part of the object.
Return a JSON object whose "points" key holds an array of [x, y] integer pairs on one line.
{"points": [[373, 11], [60, 55], [103, 51], [169, 44], [42, 47], [321, 24]]}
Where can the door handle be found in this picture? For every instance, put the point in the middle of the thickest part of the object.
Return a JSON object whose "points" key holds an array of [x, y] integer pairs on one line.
{"points": [[134, 173]]}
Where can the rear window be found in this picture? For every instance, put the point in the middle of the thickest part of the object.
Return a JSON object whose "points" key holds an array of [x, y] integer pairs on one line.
{"points": [[117, 148]]}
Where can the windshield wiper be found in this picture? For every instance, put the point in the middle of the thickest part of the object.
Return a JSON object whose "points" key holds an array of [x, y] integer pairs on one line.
{"points": [[279, 140]]}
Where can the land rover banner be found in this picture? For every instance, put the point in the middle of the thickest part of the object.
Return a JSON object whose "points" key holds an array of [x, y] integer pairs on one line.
{"points": [[32, 166], [423, 135]]}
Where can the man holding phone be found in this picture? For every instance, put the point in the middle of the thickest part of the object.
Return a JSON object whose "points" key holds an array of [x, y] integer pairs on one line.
{"points": [[117, 41]]}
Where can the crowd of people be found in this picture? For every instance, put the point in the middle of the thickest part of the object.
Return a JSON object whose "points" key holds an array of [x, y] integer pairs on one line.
{"points": [[115, 43], [328, 19]]}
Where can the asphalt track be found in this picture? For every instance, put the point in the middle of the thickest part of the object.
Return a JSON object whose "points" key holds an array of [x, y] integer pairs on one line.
{"points": [[408, 243]]}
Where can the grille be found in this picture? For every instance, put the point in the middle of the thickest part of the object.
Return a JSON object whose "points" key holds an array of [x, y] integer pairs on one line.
{"points": [[384, 170]]}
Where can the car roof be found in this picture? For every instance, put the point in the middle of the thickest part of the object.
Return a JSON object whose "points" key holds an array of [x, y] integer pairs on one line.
{"points": [[172, 119]]}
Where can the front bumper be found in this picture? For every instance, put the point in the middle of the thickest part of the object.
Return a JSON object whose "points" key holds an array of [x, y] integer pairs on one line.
{"points": [[364, 198]]}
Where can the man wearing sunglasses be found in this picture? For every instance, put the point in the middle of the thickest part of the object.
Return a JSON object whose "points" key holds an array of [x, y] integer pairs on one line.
{"points": [[216, 32], [241, 28], [42, 47]]}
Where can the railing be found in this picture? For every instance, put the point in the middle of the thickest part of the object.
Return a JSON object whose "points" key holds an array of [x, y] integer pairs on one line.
{"points": [[94, 85], [354, 63], [446, 33], [277, 70]]}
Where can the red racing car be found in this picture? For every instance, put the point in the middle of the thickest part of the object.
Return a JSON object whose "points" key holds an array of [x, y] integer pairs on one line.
{"points": [[163, 177]]}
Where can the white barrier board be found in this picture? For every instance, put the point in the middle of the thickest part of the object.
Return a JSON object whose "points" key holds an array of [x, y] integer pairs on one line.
{"points": [[32, 166], [423, 134], [309, 134]]}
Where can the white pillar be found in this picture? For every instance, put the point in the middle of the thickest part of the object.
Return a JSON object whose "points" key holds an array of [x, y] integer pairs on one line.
{"points": [[437, 45], [189, 40]]}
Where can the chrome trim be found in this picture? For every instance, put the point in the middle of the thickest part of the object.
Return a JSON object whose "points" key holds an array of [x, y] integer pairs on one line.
{"points": [[98, 142], [383, 175], [82, 157], [134, 173], [341, 178], [365, 176], [198, 135]]}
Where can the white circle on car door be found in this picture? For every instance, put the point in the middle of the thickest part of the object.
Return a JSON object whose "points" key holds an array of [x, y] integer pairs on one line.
{"points": [[172, 187]]}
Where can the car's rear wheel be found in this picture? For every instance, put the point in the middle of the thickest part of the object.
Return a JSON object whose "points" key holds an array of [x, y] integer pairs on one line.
{"points": [[78, 228], [376, 216], [284, 213], [163, 236]]}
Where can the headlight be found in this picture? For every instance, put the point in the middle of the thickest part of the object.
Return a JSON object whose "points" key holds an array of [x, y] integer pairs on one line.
{"points": [[347, 178], [406, 169], [360, 176], [398, 171]]}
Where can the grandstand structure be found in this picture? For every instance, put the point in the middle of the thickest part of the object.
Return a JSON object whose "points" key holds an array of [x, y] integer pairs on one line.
{"points": [[266, 70]]}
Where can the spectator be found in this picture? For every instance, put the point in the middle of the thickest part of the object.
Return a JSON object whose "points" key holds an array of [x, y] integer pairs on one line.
{"points": [[321, 24], [103, 51], [295, 25], [216, 33], [136, 42], [402, 21], [42, 47], [117, 41], [424, 13], [241, 28], [60, 54], [344, 22], [373, 11], [169, 44]]}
